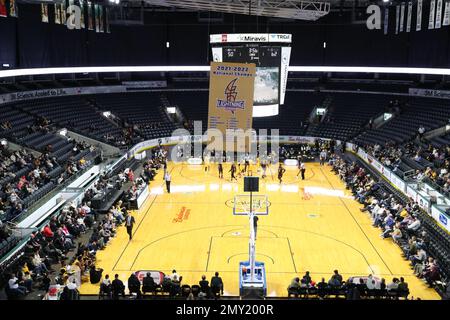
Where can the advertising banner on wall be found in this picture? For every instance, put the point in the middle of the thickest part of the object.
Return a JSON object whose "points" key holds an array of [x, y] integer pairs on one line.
{"points": [[396, 181], [411, 192], [250, 37], [375, 163], [231, 87], [444, 94]]}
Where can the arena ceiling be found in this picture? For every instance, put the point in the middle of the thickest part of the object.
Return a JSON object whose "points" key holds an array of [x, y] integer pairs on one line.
{"points": [[288, 9]]}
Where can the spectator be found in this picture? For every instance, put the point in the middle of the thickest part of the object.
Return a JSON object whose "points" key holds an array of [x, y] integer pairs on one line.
{"points": [[14, 287], [134, 285], [216, 285], [118, 288], [204, 284]]}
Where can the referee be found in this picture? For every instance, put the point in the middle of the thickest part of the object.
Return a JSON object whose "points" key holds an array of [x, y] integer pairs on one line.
{"points": [[168, 179]]}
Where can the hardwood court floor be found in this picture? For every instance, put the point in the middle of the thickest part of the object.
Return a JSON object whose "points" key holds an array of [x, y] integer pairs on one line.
{"points": [[312, 225]]}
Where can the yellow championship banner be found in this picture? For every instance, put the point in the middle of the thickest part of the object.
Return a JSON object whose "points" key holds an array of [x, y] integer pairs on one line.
{"points": [[231, 87]]}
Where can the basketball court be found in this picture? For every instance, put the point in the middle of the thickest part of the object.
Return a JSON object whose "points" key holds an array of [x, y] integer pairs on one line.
{"points": [[312, 225]]}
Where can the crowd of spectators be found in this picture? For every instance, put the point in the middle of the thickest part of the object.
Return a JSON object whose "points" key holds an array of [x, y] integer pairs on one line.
{"points": [[52, 244], [399, 222], [156, 161], [4, 231], [22, 174], [171, 285], [433, 160], [306, 151], [353, 289], [126, 137]]}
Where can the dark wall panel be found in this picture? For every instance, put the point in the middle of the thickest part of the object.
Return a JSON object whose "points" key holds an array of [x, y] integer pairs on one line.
{"points": [[8, 41], [27, 42]]}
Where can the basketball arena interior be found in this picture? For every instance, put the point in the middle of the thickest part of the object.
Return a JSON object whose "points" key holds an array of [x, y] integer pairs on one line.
{"points": [[225, 150]]}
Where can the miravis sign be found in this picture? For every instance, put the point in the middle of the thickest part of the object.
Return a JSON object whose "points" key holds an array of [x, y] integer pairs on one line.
{"points": [[250, 37]]}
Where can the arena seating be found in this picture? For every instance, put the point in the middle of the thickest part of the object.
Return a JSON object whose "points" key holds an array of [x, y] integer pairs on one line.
{"points": [[440, 141], [291, 120], [88, 121], [294, 114], [347, 115], [439, 240], [142, 110], [429, 112], [193, 105]]}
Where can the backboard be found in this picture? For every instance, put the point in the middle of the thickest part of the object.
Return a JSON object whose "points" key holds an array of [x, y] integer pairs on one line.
{"points": [[241, 205]]}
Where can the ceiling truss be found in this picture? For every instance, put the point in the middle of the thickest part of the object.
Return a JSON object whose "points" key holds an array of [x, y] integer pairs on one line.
{"points": [[289, 9]]}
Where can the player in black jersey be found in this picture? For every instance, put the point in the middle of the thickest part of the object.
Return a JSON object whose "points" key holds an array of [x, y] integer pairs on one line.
{"points": [[233, 172], [281, 171], [220, 170]]}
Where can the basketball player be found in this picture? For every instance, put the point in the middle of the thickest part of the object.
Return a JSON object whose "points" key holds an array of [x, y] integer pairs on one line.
{"points": [[246, 162], [220, 170], [281, 171], [165, 168], [263, 167], [233, 172], [322, 157], [207, 162]]}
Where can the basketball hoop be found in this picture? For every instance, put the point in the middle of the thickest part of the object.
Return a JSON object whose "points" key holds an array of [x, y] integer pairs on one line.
{"points": [[259, 206]]}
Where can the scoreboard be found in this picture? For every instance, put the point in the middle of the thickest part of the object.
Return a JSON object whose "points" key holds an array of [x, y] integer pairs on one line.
{"points": [[270, 53], [253, 53]]}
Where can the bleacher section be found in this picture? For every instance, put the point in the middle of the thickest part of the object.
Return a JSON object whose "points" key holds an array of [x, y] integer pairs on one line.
{"points": [[87, 121], [292, 118], [142, 110], [347, 115], [429, 112], [439, 240], [441, 141], [193, 105], [294, 114]]}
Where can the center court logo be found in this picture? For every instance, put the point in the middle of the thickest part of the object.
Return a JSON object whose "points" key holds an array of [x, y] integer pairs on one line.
{"points": [[230, 95]]}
